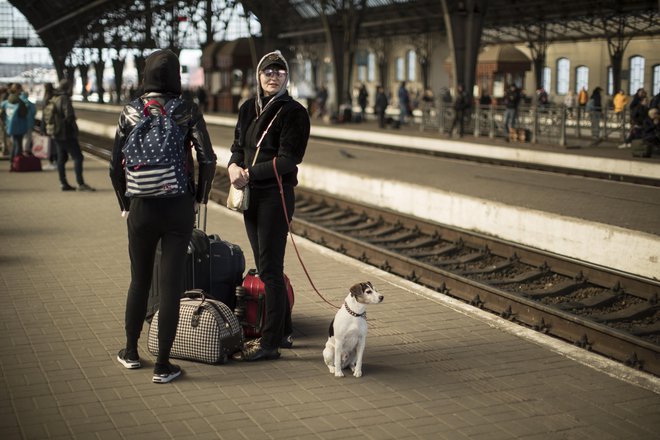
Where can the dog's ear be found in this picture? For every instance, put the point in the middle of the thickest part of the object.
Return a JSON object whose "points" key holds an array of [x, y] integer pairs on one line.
{"points": [[356, 290]]}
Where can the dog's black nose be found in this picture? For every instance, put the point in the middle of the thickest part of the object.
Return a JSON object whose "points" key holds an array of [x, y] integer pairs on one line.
{"points": [[380, 298]]}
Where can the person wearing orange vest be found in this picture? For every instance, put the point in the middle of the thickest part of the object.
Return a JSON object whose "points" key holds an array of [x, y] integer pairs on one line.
{"points": [[583, 97], [620, 101]]}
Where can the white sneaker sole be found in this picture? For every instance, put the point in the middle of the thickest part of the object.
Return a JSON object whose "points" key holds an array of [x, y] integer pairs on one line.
{"points": [[165, 378], [131, 365]]}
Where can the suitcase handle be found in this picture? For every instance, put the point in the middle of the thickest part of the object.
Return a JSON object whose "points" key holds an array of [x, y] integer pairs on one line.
{"points": [[196, 294], [199, 217]]}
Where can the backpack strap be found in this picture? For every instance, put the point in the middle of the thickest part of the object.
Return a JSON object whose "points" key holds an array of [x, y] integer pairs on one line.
{"points": [[153, 102]]}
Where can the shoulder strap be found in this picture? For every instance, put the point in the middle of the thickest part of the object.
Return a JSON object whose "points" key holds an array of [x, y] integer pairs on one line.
{"points": [[155, 103], [264, 135]]}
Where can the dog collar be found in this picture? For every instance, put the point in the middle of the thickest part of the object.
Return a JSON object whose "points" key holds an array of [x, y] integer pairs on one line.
{"points": [[357, 315]]}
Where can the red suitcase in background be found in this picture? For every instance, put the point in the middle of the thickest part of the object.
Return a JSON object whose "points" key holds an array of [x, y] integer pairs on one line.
{"points": [[24, 163], [251, 303]]}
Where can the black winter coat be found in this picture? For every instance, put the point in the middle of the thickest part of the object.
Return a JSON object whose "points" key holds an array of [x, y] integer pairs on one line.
{"points": [[190, 120], [286, 140]]}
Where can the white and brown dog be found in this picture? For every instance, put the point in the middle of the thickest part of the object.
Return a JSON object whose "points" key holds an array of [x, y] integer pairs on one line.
{"points": [[348, 331]]}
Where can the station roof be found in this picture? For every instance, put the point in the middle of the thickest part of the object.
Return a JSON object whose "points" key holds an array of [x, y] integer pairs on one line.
{"points": [[61, 23]]}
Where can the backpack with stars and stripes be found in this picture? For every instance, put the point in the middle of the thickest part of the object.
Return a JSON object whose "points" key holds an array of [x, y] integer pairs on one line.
{"points": [[155, 154]]}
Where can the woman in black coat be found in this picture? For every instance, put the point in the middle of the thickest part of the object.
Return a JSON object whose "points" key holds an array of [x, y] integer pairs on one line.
{"points": [[283, 124]]}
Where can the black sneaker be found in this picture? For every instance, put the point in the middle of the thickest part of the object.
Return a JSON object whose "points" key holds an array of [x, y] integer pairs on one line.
{"points": [[129, 359], [166, 373], [255, 352], [85, 187], [67, 187], [287, 342]]}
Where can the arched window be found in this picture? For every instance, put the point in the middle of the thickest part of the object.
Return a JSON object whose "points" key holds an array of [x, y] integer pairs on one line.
{"points": [[400, 69], [636, 73], [547, 75], [656, 79], [581, 78], [371, 67], [362, 61], [610, 81], [563, 75], [411, 61], [308, 71]]}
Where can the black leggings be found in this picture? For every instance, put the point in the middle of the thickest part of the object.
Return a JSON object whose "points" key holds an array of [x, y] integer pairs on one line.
{"points": [[170, 220], [267, 231]]}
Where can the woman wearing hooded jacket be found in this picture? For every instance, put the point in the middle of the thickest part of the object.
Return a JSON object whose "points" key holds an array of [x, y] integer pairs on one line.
{"points": [[168, 219], [265, 223]]}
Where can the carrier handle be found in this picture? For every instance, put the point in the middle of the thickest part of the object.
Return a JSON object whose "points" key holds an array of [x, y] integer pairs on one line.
{"points": [[195, 294]]}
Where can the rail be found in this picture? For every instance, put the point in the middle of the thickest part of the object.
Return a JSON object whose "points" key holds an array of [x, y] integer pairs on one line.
{"points": [[550, 124]]}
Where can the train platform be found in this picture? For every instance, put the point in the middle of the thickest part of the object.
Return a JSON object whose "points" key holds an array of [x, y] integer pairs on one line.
{"points": [[605, 222], [434, 368]]}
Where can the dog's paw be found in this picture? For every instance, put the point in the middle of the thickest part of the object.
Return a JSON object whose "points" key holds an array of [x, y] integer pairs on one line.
{"points": [[357, 373], [339, 373], [332, 369]]}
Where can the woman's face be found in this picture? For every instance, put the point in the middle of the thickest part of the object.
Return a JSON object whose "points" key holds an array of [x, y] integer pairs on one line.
{"points": [[272, 80]]}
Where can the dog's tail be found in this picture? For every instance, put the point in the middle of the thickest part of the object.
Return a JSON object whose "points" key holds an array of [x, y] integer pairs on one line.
{"points": [[331, 330]]}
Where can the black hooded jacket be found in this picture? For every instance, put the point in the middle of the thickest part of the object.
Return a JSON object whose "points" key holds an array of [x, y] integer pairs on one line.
{"points": [[286, 140], [162, 83]]}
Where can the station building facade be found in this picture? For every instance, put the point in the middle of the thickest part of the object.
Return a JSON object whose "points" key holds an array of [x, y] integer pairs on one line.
{"points": [[569, 66]]}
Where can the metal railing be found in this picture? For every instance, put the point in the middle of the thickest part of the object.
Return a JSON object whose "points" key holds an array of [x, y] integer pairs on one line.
{"points": [[551, 124]]}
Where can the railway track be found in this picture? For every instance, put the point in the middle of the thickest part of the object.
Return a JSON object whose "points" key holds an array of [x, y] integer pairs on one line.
{"points": [[608, 312]]}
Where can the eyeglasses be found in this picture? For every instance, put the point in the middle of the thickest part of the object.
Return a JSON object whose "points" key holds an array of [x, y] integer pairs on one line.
{"points": [[272, 73]]}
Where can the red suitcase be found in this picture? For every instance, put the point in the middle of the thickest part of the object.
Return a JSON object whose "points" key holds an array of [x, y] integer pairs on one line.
{"points": [[23, 163], [251, 303]]}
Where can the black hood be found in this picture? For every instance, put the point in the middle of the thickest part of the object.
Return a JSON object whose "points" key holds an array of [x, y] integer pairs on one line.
{"points": [[162, 72]]}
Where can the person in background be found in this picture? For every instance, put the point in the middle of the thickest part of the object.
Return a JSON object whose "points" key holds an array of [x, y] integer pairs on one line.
{"points": [[582, 99], [542, 97], [66, 139], [202, 98], [651, 130], [485, 99], [461, 104], [266, 225], [619, 102], [363, 96], [511, 101], [380, 106], [151, 219], [638, 115], [404, 102], [15, 115], [31, 117], [321, 100], [52, 151], [596, 109], [569, 103]]}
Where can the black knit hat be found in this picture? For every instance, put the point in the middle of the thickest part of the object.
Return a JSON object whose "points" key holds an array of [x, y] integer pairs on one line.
{"points": [[162, 72]]}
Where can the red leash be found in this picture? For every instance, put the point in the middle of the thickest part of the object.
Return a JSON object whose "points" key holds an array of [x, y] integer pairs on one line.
{"points": [[288, 222]]}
